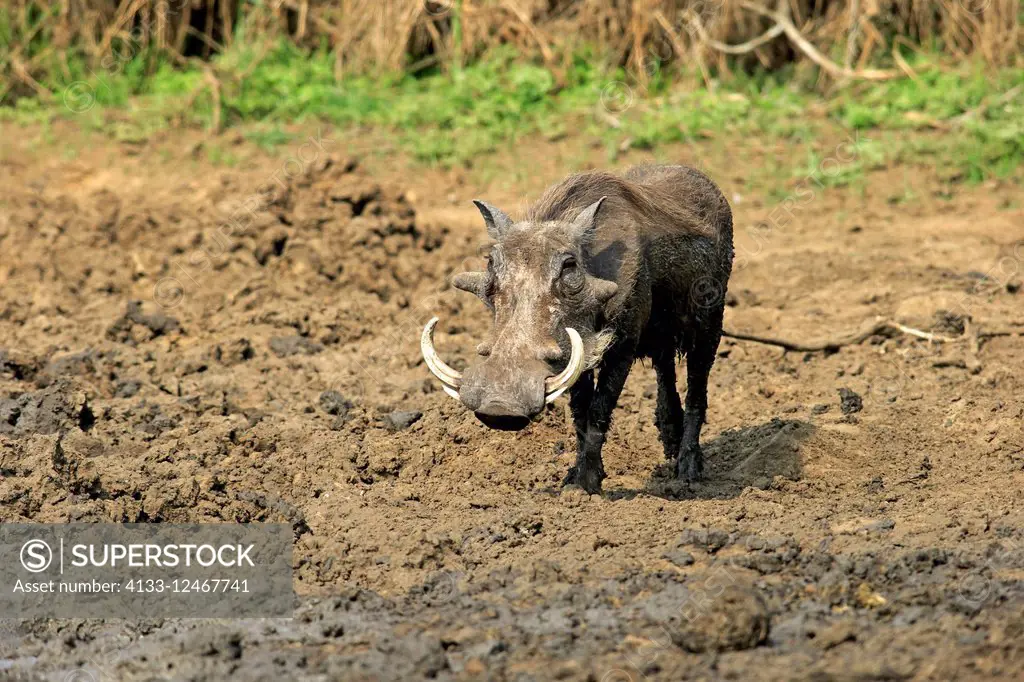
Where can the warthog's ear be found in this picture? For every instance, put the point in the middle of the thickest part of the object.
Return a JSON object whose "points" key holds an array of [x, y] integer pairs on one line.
{"points": [[473, 282], [497, 220], [586, 222]]}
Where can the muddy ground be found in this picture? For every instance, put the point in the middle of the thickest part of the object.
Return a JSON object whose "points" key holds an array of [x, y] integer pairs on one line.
{"points": [[173, 349]]}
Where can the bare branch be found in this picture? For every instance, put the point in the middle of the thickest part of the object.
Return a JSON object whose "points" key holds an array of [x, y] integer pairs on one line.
{"points": [[866, 331], [742, 48], [832, 344], [782, 20]]}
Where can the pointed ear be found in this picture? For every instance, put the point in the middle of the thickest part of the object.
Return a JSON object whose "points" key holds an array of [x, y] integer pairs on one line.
{"points": [[585, 223], [497, 221]]}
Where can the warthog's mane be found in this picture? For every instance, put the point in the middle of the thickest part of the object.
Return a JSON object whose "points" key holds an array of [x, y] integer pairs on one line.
{"points": [[602, 342], [654, 200]]}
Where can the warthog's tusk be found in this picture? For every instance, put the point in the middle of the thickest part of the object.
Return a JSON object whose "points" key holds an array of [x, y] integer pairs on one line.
{"points": [[557, 385], [450, 378]]}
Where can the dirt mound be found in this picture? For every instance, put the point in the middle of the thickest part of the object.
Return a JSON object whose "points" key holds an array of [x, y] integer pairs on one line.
{"points": [[182, 403]]}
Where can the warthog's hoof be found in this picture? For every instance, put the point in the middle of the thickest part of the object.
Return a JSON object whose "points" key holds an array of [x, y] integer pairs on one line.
{"points": [[690, 464], [587, 478]]}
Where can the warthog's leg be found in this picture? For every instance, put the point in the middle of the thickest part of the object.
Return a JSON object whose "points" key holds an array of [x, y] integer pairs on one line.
{"points": [[581, 394], [699, 359], [668, 416], [597, 405]]}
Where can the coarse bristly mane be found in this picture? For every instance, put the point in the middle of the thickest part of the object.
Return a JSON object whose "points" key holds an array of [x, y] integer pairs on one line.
{"points": [[653, 204], [602, 342]]}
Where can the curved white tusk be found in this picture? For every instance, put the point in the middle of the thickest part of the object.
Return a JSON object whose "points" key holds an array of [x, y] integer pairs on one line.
{"points": [[450, 391], [557, 385], [450, 378]]}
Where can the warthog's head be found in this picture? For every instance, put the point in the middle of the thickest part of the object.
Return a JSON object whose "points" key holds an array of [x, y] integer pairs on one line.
{"points": [[546, 309]]}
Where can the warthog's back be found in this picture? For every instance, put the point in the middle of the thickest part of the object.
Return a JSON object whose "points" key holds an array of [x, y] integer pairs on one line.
{"points": [[693, 203], [682, 258], [662, 199]]}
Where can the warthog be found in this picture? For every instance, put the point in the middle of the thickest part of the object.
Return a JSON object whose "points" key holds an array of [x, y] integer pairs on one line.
{"points": [[605, 270]]}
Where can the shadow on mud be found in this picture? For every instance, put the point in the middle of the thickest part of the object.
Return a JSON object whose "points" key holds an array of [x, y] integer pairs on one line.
{"points": [[736, 459]]}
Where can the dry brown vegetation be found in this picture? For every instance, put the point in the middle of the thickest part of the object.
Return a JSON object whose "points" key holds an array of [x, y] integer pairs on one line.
{"points": [[845, 38]]}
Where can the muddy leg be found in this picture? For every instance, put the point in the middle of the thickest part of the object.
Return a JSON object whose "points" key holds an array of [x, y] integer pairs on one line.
{"points": [[668, 416], [581, 394], [699, 358], [589, 470]]}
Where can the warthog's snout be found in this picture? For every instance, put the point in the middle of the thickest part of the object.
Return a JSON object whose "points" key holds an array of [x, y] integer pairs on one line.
{"points": [[503, 397], [502, 422], [502, 394]]}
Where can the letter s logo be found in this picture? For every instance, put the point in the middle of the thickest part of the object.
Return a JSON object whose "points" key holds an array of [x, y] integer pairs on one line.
{"points": [[36, 556]]}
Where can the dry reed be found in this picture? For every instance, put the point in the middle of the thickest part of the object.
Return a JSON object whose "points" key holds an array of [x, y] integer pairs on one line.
{"points": [[850, 37]]}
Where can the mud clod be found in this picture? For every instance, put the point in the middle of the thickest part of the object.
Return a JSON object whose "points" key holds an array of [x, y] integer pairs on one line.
{"points": [[50, 410], [285, 346], [156, 324], [735, 620], [127, 389], [335, 403], [75, 364], [710, 540], [399, 420], [234, 352], [850, 402], [679, 557], [834, 635], [17, 366]]}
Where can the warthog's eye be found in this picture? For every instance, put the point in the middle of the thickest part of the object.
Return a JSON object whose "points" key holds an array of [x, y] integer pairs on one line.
{"points": [[571, 276]]}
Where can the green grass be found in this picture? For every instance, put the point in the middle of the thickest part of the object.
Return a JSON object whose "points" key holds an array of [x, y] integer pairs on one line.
{"points": [[268, 138], [453, 117]]}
